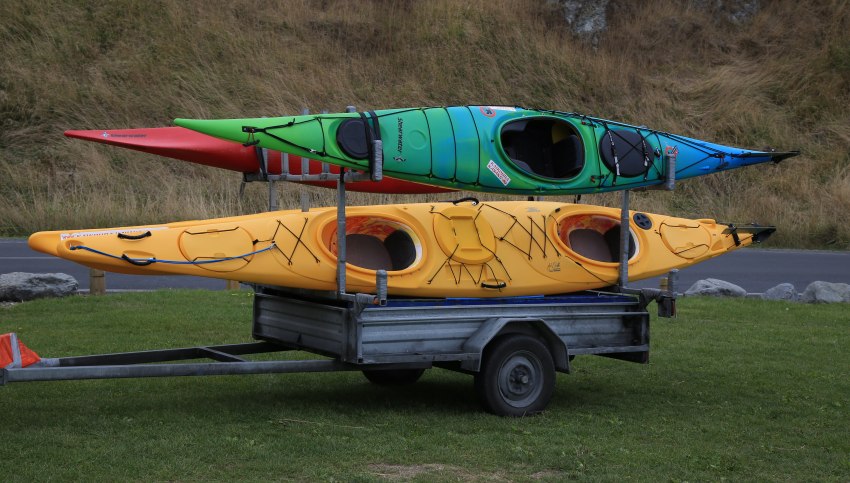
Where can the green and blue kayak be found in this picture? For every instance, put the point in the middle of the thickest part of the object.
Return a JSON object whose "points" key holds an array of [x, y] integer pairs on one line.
{"points": [[492, 148]]}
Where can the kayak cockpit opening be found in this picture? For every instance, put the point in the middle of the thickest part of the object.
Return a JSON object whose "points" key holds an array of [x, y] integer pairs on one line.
{"points": [[595, 237], [544, 146], [376, 243]]}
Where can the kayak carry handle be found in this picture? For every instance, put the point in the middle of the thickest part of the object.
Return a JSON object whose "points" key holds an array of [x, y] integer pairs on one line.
{"points": [[497, 286], [125, 236], [138, 263], [473, 199]]}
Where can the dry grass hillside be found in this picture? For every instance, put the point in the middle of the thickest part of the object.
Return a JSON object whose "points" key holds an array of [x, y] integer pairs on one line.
{"points": [[781, 80]]}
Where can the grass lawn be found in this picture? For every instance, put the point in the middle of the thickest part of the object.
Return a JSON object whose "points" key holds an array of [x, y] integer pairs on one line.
{"points": [[736, 389]]}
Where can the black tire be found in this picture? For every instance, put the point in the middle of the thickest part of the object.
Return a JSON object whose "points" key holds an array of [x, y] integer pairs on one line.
{"points": [[393, 377], [517, 376]]}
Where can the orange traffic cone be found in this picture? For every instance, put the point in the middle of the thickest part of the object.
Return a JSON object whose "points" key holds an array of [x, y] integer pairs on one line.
{"points": [[13, 352]]}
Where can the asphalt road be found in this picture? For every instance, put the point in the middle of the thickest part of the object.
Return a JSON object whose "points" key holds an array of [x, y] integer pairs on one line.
{"points": [[756, 270]]}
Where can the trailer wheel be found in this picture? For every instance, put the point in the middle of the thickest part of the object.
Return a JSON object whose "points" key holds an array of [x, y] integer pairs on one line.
{"points": [[517, 376], [393, 377]]}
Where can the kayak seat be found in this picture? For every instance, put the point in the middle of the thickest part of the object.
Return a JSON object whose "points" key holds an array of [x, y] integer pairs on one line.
{"points": [[567, 157], [590, 244], [612, 238], [528, 143], [522, 165], [513, 142], [401, 249], [351, 138], [631, 149], [367, 251]]}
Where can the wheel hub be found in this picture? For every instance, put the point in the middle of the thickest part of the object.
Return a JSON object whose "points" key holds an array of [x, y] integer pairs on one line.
{"points": [[519, 379]]}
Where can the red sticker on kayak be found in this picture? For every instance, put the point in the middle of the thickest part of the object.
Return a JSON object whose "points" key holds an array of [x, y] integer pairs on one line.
{"points": [[495, 169], [488, 111]]}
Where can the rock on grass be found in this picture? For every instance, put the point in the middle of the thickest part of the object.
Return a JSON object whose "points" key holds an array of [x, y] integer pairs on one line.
{"points": [[21, 286], [826, 293], [716, 288]]}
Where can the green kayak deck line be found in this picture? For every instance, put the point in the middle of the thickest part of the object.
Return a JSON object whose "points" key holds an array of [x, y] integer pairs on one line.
{"points": [[492, 148]]}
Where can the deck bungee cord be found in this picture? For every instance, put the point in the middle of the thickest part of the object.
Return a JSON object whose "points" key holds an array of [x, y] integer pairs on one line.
{"points": [[252, 141], [298, 241], [375, 131], [529, 231], [143, 262], [463, 266]]}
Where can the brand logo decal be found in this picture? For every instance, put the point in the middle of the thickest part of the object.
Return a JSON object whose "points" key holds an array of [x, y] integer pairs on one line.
{"points": [[495, 169], [106, 135], [400, 135], [554, 267], [86, 234]]}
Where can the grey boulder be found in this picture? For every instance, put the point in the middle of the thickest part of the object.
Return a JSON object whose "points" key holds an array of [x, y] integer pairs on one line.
{"points": [[783, 291], [716, 288], [586, 18], [826, 293], [20, 286]]}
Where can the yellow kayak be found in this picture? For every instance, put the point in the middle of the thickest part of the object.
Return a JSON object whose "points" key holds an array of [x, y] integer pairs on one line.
{"points": [[489, 249]]}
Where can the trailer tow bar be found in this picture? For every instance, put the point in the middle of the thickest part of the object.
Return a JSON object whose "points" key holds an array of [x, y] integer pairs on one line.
{"points": [[226, 361]]}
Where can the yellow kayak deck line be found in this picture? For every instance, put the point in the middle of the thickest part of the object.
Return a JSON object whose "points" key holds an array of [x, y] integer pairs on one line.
{"points": [[489, 249]]}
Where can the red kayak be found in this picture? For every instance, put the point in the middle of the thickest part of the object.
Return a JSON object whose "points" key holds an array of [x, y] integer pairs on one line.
{"points": [[192, 146]]}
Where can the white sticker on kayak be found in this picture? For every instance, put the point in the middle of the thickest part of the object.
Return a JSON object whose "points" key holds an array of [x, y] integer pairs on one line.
{"points": [[495, 169], [84, 234], [490, 111]]}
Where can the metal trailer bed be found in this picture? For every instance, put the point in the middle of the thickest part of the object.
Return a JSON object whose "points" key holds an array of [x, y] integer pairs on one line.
{"points": [[456, 330], [513, 346]]}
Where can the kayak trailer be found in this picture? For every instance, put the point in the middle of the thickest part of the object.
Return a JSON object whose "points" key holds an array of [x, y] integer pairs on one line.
{"points": [[513, 346]]}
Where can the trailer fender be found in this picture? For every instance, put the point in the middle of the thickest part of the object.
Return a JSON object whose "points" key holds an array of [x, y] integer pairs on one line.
{"points": [[495, 327]]}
